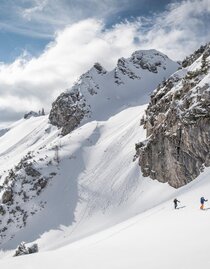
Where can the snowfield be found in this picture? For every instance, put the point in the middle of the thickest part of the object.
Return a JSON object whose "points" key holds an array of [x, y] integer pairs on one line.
{"points": [[100, 211], [97, 183]]}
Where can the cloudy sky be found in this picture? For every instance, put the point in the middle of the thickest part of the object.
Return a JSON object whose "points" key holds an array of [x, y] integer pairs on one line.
{"points": [[47, 44]]}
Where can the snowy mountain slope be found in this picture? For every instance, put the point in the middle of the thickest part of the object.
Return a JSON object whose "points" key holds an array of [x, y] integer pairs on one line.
{"points": [[158, 238], [95, 184], [100, 94], [23, 136], [91, 169], [82, 196]]}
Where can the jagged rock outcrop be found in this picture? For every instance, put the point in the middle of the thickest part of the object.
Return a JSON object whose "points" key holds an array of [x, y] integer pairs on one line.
{"points": [[21, 186], [23, 250], [7, 196], [193, 57], [30, 114], [71, 107], [150, 61], [98, 88], [2, 210], [68, 110], [177, 121], [4, 131], [99, 68], [124, 68]]}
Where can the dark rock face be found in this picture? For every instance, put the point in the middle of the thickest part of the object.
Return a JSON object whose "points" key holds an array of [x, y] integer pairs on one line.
{"points": [[72, 106], [193, 57], [123, 67], [149, 62], [31, 114], [178, 127], [99, 68], [3, 131], [30, 171], [7, 196], [2, 210], [68, 110]]}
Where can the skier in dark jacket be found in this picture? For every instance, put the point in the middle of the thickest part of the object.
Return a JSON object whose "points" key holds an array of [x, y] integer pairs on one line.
{"points": [[176, 203], [202, 202]]}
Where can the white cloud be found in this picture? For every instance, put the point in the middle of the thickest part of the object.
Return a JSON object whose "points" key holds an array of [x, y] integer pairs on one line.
{"points": [[41, 18], [36, 82], [39, 5], [181, 29], [33, 83]]}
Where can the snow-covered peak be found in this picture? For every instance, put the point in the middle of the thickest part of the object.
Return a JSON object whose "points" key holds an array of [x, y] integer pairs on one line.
{"points": [[150, 59], [102, 93]]}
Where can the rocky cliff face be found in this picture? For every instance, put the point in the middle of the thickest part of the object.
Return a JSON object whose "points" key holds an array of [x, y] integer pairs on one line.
{"points": [[68, 110], [18, 195], [177, 121], [97, 88], [71, 107]]}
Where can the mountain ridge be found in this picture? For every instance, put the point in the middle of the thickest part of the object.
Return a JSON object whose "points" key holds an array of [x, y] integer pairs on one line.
{"points": [[98, 88]]}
